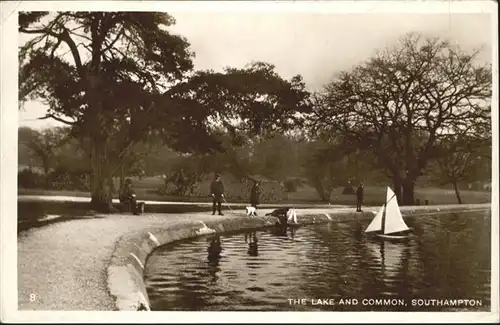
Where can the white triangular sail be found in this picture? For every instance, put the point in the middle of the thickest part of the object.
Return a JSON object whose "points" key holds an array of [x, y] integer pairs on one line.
{"points": [[376, 224], [393, 219]]}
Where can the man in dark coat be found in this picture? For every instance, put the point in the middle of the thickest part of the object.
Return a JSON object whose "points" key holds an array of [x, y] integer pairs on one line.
{"points": [[255, 194], [217, 191], [127, 196], [359, 197]]}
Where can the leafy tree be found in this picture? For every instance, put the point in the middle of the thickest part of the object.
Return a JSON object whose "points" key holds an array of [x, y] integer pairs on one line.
{"points": [[463, 159], [42, 145], [241, 103], [402, 101], [160, 161], [119, 78], [117, 64], [277, 158], [332, 164], [318, 170], [189, 170]]}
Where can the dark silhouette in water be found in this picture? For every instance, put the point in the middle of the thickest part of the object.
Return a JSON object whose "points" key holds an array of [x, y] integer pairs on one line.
{"points": [[358, 232], [251, 239], [214, 250], [279, 231], [282, 231]]}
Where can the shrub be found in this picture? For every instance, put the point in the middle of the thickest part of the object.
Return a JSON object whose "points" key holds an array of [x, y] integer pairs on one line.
{"points": [[30, 179], [291, 184], [62, 178], [348, 190]]}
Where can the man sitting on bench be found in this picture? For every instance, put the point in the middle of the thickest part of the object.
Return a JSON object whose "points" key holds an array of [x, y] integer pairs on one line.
{"points": [[127, 196]]}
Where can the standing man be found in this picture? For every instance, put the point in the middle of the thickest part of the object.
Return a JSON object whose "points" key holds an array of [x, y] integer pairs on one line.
{"points": [[359, 197], [217, 191], [255, 194]]}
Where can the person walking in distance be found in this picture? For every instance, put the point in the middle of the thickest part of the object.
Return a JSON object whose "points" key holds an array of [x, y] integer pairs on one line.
{"points": [[255, 194], [359, 197], [217, 191]]}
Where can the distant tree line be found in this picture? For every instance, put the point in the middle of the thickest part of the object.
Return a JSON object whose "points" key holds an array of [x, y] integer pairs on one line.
{"points": [[64, 165]]}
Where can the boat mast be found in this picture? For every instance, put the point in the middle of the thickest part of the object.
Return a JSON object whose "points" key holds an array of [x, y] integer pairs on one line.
{"points": [[383, 218]]}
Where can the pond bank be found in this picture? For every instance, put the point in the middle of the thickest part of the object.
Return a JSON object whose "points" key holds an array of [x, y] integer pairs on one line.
{"points": [[125, 271], [95, 263]]}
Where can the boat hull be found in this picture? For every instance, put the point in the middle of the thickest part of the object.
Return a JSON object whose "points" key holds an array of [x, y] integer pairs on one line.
{"points": [[393, 237]]}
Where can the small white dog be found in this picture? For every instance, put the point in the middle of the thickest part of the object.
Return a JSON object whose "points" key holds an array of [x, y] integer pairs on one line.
{"points": [[251, 211]]}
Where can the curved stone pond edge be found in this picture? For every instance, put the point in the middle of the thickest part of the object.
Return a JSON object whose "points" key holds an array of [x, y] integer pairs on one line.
{"points": [[125, 274]]}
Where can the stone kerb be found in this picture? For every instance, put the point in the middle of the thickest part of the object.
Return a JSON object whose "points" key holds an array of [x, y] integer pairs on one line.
{"points": [[126, 270]]}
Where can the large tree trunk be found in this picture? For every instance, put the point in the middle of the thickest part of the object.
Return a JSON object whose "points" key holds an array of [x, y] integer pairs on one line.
{"points": [[457, 192], [100, 193], [122, 174], [46, 169], [397, 184], [111, 185], [321, 191], [408, 192]]}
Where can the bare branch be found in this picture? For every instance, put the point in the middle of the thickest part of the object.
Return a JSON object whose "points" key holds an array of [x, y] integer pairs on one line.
{"points": [[79, 35], [64, 36], [115, 40], [52, 116]]}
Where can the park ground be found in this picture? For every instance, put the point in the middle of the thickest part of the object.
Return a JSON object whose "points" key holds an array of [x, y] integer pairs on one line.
{"points": [[67, 241], [63, 266], [73, 204], [147, 189]]}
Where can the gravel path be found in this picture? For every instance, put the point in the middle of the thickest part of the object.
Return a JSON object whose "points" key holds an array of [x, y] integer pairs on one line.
{"points": [[64, 198], [63, 266]]}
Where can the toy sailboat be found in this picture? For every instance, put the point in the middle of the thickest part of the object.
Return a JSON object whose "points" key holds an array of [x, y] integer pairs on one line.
{"points": [[388, 223]]}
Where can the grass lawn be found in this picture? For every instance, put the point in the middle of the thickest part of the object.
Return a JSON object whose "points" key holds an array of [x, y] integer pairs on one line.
{"points": [[374, 195], [32, 213]]}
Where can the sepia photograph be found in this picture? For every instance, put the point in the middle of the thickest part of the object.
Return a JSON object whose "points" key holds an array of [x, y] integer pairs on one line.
{"points": [[249, 156]]}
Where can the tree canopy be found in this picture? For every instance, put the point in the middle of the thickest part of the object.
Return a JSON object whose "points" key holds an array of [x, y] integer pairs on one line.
{"points": [[462, 159], [123, 76], [401, 101]]}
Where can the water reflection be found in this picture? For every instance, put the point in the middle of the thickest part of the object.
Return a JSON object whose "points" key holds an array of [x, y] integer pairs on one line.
{"points": [[359, 231], [448, 257], [391, 263], [279, 231], [214, 250], [283, 231], [388, 254], [251, 239]]}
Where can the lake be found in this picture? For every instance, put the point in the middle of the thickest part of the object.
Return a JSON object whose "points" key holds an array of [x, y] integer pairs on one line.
{"points": [[444, 266]]}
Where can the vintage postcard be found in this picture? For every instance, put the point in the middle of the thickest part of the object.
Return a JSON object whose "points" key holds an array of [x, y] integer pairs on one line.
{"points": [[249, 161]]}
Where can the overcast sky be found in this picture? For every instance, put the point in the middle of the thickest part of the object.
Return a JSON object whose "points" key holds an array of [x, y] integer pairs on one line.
{"points": [[314, 45]]}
